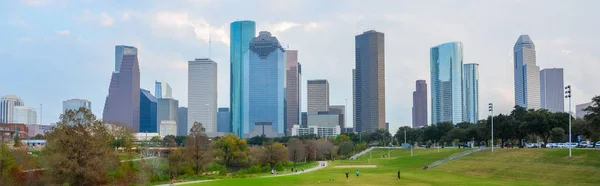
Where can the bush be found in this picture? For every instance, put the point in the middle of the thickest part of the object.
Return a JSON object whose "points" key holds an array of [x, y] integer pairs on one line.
{"points": [[217, 167], [279, 166]]}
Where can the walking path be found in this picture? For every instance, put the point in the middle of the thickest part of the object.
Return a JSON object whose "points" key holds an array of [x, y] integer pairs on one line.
{"points": [[269, 176], [454, 157]]}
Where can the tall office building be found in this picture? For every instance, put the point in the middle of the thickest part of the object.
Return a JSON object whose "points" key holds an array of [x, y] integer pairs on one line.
{"points": [[579, 109], [7, 107], [419, 108], [167, 110], [369, 85], [75, 104], [446, 83], [387, 127], [223, 120], [527, 74], [263, 109], [240, 35], [340, 110], [25, 115], [471, 92], [353, 100], [148, 112], [202, 94], [304, 122], [552, 89], [162, 90], [182, 121], [292, 90], [318, 96], [122, 104]]}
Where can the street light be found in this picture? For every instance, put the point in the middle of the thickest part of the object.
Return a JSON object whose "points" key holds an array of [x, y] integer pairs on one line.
{"points": [[568, 95], [491, 107]]}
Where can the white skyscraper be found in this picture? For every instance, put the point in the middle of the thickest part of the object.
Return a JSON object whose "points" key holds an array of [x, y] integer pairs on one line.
{"points": [[527, 74], [318, 96], [75, 104], [7, 107], [202, 94], [162, 90], [552, 89], [25, 115]]}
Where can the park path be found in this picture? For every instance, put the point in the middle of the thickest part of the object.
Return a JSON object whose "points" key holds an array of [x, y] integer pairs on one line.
{"points": [[324, 163]]}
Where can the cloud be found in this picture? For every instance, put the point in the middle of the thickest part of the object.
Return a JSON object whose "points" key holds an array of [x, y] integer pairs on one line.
{"points": [[101, 18], [201, 28], [566, 52], [283, 26], [63, 32], [44, 2]]}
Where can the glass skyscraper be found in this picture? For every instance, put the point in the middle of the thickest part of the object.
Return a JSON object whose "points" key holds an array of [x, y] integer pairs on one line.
{"points": [[223, 120], [471, 92], [75, 104], [162, 90], [527, 74], [122, 104], [240, 35], [552, 89], [264, 81], [369, 82], [148, 112], [121, 50], [446, 82]]}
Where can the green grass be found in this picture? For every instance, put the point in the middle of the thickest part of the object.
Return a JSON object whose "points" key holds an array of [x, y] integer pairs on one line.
{"points": [[503, 167]]}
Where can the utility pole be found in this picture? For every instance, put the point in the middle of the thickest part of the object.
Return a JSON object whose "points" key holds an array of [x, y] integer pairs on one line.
{"points": [[568, 95], [491, 107]]}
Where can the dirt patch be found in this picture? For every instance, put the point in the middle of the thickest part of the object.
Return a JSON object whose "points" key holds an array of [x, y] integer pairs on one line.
{"points": [[356, 166]]}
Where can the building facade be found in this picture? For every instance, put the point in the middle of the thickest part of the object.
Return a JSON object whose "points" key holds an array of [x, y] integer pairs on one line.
{"points": [[25, 115], [319, 131], [240, 35], [369, 82], [36, 129], [292, 90], [167, 110], [304, 122], [323, 120], [75, 104], [122, 104], [202, 94], [341, 111], [223, 120], [552, 89], [265, 82], [471, 92], [162, 90], [419, 108], [527, 74], [446, 83], [182, 121], [148, 112], [7, 107], [318, 96], [168, 127], [579, 110]]}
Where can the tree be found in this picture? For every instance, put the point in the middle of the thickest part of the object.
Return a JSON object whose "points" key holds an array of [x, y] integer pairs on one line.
{"points": [[296, 150], [38, 136], [325, 149], [180, 140], [557, 134], [459, 134], [121, 136], [274, 153], [341, 138], [197, 147], [381, 137], [537, 122], [346, 148], [7, 163], [311, 149], [174, 160], [169, 141], [78, 150], [593, 114], [230, 148], [155, 140]]}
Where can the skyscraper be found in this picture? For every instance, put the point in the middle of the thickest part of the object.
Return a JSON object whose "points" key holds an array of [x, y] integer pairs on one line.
{"points": [[148, 112], [318, 96], [223, 120], [162, 90], [419, 108], [122, 104], [552, 89], [471, 92], [182, 121], [240, 35], [579, 109], [25, 115], [75, 104], [341, 111], [446, 83], [202, 94], [265, 81], [292, 90], [167, 111], [527, 74], [369, 85], [7, 107]]}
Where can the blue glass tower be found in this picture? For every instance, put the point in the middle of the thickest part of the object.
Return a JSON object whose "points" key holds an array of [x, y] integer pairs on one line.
{"points": [[264, 85], [148, 112], [446, 83], [240, 35], [471, 92]]}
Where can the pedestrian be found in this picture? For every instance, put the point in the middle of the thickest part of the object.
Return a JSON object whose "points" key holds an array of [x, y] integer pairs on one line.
{"points": [[296, 169], [302, 169], [172, 179], [347, 175], [357, 173], [398, 174]]}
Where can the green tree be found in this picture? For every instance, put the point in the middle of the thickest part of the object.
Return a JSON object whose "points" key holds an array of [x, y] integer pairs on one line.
{"points": [[274, 153], [120, 135], [459, 134], [557, 134], [174, 160], [346, 148], [169, 141], [230, 148], [197, 147], [7, 163], [155, 140], [341, 138], [593, 114], [538, 123]]}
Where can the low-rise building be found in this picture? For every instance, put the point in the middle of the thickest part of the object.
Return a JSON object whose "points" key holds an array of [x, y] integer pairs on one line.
{"points": [[319, 131]]}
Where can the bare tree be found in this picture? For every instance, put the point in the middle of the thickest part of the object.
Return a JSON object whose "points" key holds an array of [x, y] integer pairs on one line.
{"points": [[274, 153], [198, 147], [311, 149], [325, 149], [175, 159], [296, 150], [256, 155]]}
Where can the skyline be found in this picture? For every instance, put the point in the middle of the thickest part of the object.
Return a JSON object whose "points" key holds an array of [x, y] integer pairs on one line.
{"points": [[566, 46]]}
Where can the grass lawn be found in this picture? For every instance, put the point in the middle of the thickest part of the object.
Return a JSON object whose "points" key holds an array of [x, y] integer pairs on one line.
{"points": [[503, 167]]}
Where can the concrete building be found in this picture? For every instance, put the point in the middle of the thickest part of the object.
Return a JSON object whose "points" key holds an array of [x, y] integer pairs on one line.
{"points": [[168, 127], [148, 112], [240, 35], [304, 120], [202, 94], [341, 111], [552, 89], [182, 121], [9, 130], [579, 112], [348, 130], [75, 104], [35, 129], [224, 120], [292, 90], [7, 107], [323, 120], [471, 92], [446, 83], [387, 127], [369, 82], [162, 90], [527, 74], [123, 101], [168, 109], [318, 96], [419, 108], [25, 115], [319, 131]]}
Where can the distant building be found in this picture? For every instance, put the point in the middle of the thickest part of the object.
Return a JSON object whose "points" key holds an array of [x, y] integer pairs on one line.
{"points": [[168, 109], [162, 90], [369, 82], [580, 113], [168, 127], [293, 90], [387, 126], [324, 120], [182, 121], [527, 74], [341, 111], [552, 89], [241, 32], [8, 131], [75, 104], [25, 115], [446, 83], [318, 96], [348, 130], [123, 101], [471, 92], [202, 94], [35, 129], [319, 131], [419, 108], [148, 112], [304, 120], [7, 107], [224, 120]]}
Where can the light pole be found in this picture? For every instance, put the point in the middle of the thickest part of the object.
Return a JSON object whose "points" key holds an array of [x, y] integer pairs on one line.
{"points": [[568, 95], [491, 107]]}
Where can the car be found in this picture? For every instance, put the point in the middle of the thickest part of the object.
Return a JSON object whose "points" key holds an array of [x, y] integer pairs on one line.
{"points": [[550, 145], [590, 145], [572, 145], [582, 144], [562, 145], [598, 144]]}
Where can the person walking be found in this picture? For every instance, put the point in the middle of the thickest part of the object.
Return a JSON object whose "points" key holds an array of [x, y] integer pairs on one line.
{"points": [[347, 175], [357, 173], [172, 179], [398, 174]]}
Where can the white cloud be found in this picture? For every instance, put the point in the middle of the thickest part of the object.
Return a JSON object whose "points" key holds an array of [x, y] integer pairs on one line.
{"points": [[567, 52], [63, 32], [105, 19], [101, 18], [201, 28]]}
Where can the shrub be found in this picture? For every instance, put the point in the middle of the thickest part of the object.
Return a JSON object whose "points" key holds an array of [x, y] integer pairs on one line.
{"points": [[279, 166], [217, 167]]}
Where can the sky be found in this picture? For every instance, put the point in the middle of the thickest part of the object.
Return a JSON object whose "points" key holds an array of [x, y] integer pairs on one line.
{"points": [[54, 50]]}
